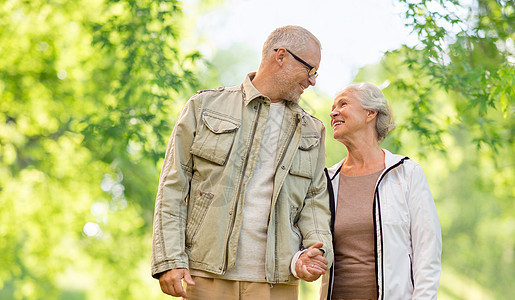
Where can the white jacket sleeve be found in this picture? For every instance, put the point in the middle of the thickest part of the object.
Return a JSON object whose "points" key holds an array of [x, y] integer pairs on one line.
{"points": [[425, 235]]}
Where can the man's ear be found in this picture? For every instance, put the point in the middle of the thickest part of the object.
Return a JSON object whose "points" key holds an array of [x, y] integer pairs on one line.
{"points": [[279, 56]]}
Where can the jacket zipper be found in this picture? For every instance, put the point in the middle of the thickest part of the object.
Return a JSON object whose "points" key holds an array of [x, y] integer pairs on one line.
{"points": [[297, 119], [411, 271], [378, 210], [333, 217], [239, 187]]}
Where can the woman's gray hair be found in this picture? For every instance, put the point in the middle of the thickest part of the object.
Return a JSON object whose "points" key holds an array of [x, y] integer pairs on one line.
{"points": [[371, 98], [291, 37]]}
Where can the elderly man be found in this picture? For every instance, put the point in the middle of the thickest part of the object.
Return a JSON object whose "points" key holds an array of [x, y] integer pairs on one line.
{"points": [[242, 190]]}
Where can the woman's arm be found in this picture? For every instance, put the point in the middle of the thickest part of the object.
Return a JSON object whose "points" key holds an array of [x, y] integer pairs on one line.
{"points": [[426, 236]]}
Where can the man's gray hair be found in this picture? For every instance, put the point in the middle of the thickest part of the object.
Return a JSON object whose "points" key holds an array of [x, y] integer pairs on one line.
{"points": [[291, 37], [371, 98]]}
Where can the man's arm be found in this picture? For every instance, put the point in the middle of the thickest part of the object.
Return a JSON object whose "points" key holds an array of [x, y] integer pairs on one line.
{"points": [[314, 222], [169, 230]]}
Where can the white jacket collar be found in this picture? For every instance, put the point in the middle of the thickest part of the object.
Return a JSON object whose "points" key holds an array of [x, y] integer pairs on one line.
{"points": [[389, 160]]}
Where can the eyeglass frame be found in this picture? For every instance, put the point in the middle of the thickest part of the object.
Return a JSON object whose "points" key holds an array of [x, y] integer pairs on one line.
{"points": [[311, 68]]}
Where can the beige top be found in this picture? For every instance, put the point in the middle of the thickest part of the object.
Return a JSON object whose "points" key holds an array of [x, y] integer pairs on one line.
{"points": [[354, 238]]}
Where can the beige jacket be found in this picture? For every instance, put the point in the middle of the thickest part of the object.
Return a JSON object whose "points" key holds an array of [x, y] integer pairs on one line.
{"points": [[210, 158]]}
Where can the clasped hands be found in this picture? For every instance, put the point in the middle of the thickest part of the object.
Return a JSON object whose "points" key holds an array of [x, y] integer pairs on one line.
{"points": [[311, 264]]}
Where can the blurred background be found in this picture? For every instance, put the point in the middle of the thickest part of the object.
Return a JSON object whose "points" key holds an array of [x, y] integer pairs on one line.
{"points": [[90, 91]]}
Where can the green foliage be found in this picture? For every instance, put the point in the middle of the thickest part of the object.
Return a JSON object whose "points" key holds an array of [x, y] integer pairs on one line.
{"points": [[87, 93], [140, 48], [471, 55]]}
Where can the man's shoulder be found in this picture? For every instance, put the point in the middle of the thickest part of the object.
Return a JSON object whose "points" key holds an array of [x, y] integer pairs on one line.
{"points": [[219, 90], [222, 93], [312, 118], [216, 98]]}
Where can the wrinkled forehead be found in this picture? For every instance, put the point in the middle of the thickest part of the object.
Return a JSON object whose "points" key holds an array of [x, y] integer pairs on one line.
{"points": [[345, 94], [348, 96]]}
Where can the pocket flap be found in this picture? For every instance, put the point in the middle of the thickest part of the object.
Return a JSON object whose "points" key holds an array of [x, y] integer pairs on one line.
{"points": [[309, 142], [219, 124]]}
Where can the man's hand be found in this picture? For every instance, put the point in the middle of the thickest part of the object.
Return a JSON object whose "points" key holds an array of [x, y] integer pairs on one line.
{"points": [[171, 284], [311, 263]]}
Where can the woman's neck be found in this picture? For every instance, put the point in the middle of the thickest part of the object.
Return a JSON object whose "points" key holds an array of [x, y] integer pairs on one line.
{"points": [[363, 159]]}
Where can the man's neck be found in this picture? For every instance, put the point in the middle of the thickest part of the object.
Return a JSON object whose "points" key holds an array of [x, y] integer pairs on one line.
{"points": [[264, 84]]}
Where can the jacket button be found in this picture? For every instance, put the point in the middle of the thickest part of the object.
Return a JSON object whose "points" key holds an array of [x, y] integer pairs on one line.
{"points": [[230, 213], [283, 167]]}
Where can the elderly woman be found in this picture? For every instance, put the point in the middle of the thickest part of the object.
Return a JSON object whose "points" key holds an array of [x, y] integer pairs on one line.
{"points": [[386, 232]]}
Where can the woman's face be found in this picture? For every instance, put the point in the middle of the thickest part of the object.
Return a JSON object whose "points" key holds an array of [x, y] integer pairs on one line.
{"points": [[348, 118]]}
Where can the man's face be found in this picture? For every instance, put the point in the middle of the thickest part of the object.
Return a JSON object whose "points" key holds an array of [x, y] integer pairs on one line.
{"points": [[294, 78]]}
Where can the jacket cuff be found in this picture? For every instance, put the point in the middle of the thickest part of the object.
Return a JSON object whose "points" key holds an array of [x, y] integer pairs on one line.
{"points": [[162, 267], [294, 261]]}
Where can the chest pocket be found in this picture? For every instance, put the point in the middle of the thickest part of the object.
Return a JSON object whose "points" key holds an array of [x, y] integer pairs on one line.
{"points": [[215, 137], [305, 160]]}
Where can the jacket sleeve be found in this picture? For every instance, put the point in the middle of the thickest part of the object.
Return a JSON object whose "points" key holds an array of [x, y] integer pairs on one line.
{"points": [[426, 237], [315, 219], [169, 229]]}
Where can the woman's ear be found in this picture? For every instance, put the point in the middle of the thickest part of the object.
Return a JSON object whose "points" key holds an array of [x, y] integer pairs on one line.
{"points": [[371, 115]]}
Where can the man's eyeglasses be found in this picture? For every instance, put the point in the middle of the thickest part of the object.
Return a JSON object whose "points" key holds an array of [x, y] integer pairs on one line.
{"points": [[312, 70]]}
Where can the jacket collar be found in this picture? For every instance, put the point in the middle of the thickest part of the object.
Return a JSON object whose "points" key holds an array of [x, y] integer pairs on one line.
{"points": [[249, 90], [334, 170], [389, 160]]}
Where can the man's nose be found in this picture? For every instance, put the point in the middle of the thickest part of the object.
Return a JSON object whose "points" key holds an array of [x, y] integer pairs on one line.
{"points": [[312, 80]]}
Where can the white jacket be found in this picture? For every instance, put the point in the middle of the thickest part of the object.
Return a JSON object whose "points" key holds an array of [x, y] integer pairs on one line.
{"points": [[408, 236]]}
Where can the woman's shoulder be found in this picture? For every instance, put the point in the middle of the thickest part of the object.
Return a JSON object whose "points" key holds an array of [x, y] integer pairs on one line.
{"points": [[402, 161]]}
